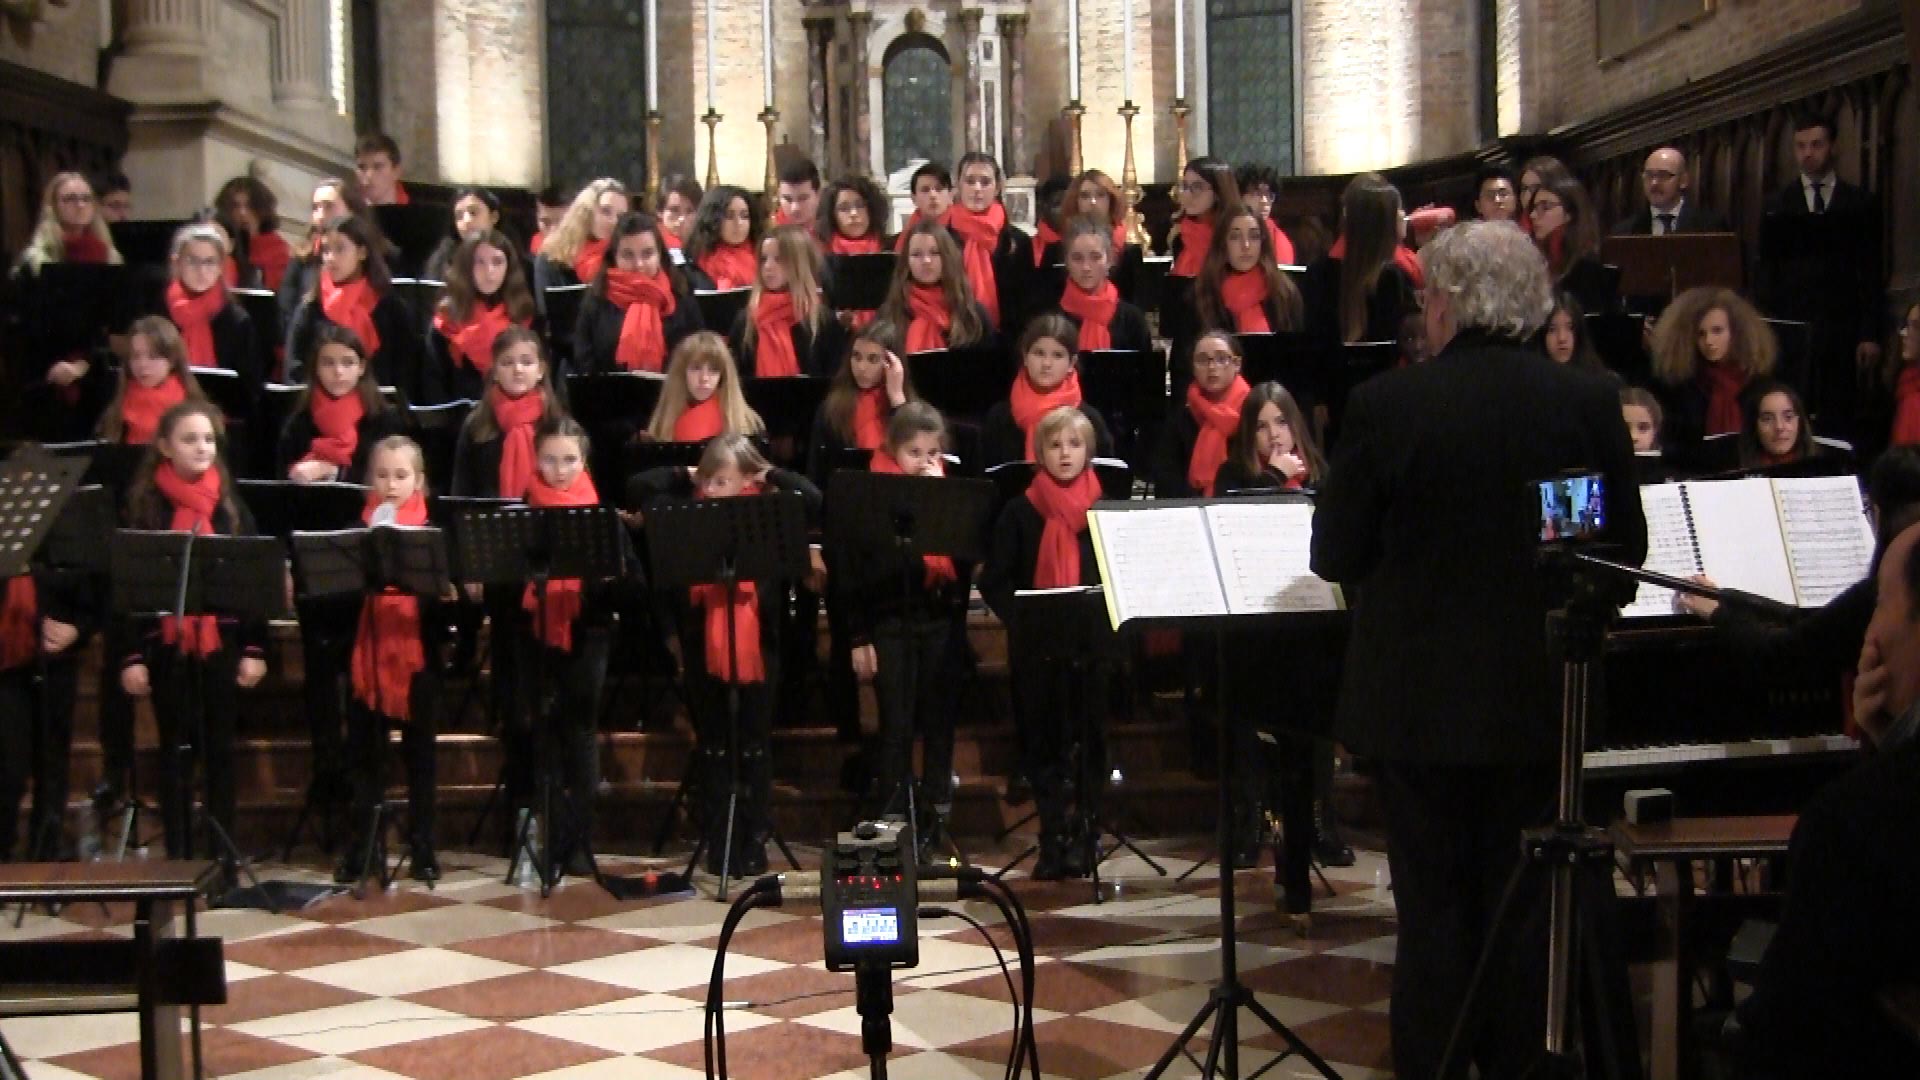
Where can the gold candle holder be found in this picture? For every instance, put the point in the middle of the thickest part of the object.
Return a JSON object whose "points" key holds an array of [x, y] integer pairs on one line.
{"points": [[712, 120], [654, 195], [1130, 182], [769, 117], [1180, 111], [1073, 112]]}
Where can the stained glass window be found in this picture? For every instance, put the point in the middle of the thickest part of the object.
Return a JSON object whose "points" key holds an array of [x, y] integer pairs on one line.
{"points": [[1250, 81], [916, 97], [597, 90]]}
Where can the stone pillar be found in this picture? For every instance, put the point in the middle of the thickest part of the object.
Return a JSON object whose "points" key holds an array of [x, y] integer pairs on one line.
{"points": [[300, 54], [819, 44], [1013, 37], [860, 25], [167, 26], [163, 58], [970, 47]]}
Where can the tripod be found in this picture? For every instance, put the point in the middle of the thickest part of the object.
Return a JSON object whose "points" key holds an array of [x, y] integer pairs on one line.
{"points": [[757, 539], [1578, 859]]}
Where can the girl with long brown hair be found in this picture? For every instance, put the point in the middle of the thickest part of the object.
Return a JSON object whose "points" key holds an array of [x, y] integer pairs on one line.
{"points": [[930, 296]]}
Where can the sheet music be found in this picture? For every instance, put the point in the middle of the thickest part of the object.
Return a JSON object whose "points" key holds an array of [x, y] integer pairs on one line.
{"points": [[1670, 549], [1157, 563], [1829, 540], [1264, 550], [1739, 531]]}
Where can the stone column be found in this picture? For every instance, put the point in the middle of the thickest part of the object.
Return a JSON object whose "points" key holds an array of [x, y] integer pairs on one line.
{"points": [[163, 55], [970, 47], [1013, 38], [179, 27], [300, 53], [819, 44], [860, 25]]}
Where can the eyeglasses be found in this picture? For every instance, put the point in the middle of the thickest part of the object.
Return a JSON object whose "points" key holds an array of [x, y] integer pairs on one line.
{"points": [[1217, 360], [200, 262], [1659, 176], [76, 198], [1542, 206], [1195, 187]]}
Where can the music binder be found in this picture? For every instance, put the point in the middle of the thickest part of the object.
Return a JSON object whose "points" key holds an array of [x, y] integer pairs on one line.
{"points": [[859, 282], [1799, 541], [720, 307], [1196, 559]]}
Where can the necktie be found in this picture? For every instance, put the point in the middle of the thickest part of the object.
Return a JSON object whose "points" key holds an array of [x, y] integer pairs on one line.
{"points": [[1666, 223], [1819, 196]]}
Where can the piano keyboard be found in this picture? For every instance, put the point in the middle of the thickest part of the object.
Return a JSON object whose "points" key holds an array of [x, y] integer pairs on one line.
{"points": [[1637, 757]]}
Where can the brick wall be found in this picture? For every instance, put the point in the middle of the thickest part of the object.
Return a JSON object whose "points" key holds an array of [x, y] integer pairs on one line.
{"points": [[1385, 82]]}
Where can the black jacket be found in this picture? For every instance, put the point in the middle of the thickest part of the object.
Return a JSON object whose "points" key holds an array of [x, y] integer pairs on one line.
{"points": [[818, 354], [1001, 440], [824, 450], [442, 379], [1693, 218], [234, 347], [1429, 514], [1392, 301], [1015, 552], [395, 363], [296, 438], [596, 336], [476, 465], [1173, 452], [1843, 286]]}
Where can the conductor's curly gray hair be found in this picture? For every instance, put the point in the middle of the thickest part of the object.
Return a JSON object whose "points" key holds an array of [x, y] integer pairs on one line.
{"points": [[1496, 278]]}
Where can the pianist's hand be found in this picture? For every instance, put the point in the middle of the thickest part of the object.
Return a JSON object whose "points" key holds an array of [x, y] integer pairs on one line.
{"points": [[252, 670], [1870, 690], [865, 663], [67, 372], [1700, 606], [133, 679], [56, 636]]}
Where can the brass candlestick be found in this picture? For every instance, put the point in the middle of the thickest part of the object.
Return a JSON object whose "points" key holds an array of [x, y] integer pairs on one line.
{"points": [[712, 120], [1180, 111], [1073, 112], [770, 116], [1130, 182], [654, 195]]}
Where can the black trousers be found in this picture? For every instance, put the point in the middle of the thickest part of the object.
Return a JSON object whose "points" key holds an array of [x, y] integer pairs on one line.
{"points": [[116, 709], [753, 810], [327, 630], [1060, 715], [1453, 844], [915, 687], [194, 702], [36, 743], [367, 760], [562, 691]]}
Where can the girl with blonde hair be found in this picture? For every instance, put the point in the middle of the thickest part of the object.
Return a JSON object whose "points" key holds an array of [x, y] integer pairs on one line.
{"points": [[702, 396]]}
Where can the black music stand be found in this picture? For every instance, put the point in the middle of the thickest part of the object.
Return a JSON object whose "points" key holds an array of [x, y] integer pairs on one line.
{"points": [[421, 295], [760, 540], [562, 306], [522, 545], [145, 243], [263, 310], [68, 305], [366, 563], [720, 307], [787, 405], [1130, 389], [415, 230], [437, 429], [175, 574], [1294, 360], [109, 465], [963, 382], [918, 515], [859, 282], [282, 507]]}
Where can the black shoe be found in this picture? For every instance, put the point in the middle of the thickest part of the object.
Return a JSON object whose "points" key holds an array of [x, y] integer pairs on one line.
{"points": [[347, 870], [750, 859], [1051, 864], [580, 863], [1328, 847], [426, 866]]}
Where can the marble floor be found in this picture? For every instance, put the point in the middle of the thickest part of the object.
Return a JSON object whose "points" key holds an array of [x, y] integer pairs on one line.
{"points": [[479, 980]]}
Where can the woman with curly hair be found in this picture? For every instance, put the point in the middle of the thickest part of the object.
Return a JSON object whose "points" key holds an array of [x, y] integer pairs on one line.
{"points": [[1708, 346]]}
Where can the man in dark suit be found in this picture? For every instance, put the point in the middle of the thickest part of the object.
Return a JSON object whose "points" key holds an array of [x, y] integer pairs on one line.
{"points": [[1670, 207], [1429, 513], [1820, 264], [1851, 925]]}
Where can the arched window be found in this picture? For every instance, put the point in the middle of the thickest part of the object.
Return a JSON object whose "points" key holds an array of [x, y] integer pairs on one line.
{"points": [[1250, 81], [917, 101]]}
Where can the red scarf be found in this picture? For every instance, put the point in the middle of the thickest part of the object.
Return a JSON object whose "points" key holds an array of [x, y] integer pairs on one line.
{"points": [[194, 502], [855, 245], [1906, 407], [563, 594], [1282, 244], [1095, 311], [82, 246], [19, 626], [731, 266], [351, 305], [1244, 293], [400, 196], [752, 667], [648, 300], [980, 234], [387, 651], [700, 422], [1029, 404], [471, 342], [927, 318], [773, 320], [587, 261], [674, 242], [1196, 236], [1722, 384], [337, 419], [141, 407], [194, 316], [539, 241], [1044, 237], [939, 567], [870, 413], [1218, 420], [1403, 257], [515, 417], [1064, 509], [269, 254]]}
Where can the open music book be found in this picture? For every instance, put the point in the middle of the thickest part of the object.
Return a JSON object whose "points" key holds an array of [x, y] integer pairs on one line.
{"points": [[1192, 560], [1801, 541]]}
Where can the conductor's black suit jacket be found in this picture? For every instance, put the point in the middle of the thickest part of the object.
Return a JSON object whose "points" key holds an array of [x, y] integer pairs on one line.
{"points": [[1430, 518]]}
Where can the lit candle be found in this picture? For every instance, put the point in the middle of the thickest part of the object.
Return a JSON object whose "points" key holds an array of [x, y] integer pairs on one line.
{"points": [[653, 55], [1073, 49], [709, 55], [1126, 50], [1179, 48], [766, 52]]}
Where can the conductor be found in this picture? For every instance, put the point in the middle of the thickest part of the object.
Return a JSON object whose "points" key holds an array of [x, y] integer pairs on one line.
{"points": [[1429, 516]]}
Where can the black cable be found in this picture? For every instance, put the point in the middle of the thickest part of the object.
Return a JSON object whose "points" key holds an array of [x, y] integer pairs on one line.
{"points": [[995, 891], [1013, 1054], [762, 893]]}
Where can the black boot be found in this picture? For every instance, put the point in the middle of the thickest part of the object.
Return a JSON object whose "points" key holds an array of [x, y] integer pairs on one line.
{"points": [[1050, 803], [1328, 848]]}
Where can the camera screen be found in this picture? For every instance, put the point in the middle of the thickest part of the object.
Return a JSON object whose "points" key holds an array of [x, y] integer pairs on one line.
{"points": [[1572, 508], [870, 926]]}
